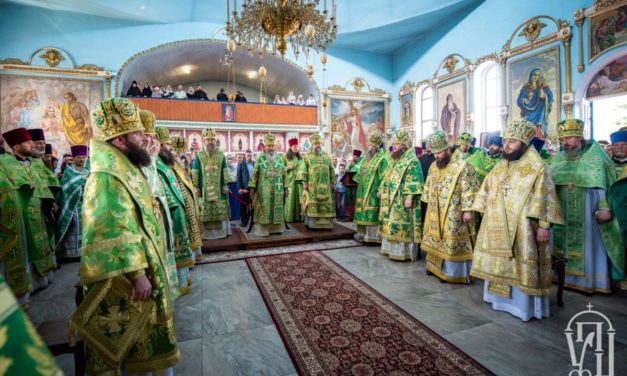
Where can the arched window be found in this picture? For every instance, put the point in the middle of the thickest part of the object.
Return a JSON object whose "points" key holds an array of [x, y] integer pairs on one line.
{"points": [[488, 98], [426, 112]]}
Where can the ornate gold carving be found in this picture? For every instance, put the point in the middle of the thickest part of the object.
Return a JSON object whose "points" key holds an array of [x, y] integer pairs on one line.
{"points": [[602, 4], [450, 63], [407, 86], [532, 30], [358, 84], [90, 67], [13, 61], [52, 57], [490, 57]]}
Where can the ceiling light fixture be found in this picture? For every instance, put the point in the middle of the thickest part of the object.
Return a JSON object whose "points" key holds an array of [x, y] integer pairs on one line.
{"points": [[273, 25]]}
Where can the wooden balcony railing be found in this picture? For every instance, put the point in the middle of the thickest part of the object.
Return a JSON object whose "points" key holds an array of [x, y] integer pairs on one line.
{"points": [[213, 111]]}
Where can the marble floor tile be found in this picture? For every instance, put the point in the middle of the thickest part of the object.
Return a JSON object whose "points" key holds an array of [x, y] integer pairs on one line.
{"points": [[224, 327], [258, 351], [191, 358]]}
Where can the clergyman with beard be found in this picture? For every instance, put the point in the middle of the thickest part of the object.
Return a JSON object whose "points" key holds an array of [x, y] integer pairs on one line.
{"points": [[173, 158], [590, 239], [211, 177], [368, 179], [42, 218], [399, 214], [181, 247], [15, 175], [317, 175], [519, 205], [619, 150], [268, 189], [449, 192], [122, 240], [150, 142], [293, 164]]}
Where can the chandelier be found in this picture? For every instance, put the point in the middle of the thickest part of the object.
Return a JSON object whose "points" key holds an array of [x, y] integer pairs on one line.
{"points": [[274, 25]]}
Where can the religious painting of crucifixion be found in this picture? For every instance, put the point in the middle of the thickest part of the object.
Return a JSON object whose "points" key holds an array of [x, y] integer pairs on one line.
{"points": [[353, 115]]}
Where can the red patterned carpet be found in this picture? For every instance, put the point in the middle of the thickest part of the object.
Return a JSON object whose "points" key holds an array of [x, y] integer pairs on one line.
{"points": [[335, 324]]}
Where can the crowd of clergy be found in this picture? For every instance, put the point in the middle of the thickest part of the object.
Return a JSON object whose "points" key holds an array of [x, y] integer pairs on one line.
{"points": [[135, 216]]}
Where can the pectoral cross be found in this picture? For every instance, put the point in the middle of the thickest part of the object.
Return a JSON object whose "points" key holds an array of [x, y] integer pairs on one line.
{"points": [[570, 185]]}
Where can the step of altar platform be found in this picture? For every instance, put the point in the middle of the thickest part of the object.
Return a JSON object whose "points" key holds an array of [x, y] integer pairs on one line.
{"points": [[297, 233]]}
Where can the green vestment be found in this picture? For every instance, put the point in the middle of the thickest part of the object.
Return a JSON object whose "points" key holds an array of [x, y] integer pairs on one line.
{"points": [[618, 202], [368, 179], [295, 190], [121, 239], [403, 180], [165, 220], [591, 169], [482, 162], [47, 179], [210, 173], [269, 183], [180, 226], [22, 351], [15, 191], [70, 199], [40, 251], [191, 206], [318, 174]]}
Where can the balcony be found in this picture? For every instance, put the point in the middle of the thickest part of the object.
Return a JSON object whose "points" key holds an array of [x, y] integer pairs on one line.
{"points": [[242, 113]]}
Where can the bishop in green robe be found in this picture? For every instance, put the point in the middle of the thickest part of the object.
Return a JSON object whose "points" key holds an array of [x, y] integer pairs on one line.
{"points": [[211, 177], [122, 240], [590, 239], [294, 163], [192, 210], [317, 176], [268, 185], [176, 203], [368, 178], [70, 198], [152, 145], [399, 216]]}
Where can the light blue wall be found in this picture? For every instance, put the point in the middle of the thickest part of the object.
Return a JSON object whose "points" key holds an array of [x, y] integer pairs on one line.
{"points": [[485, 30], [109, 42]]}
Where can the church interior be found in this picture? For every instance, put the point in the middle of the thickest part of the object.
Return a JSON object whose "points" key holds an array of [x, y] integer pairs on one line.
{"points": [[313, 187]]}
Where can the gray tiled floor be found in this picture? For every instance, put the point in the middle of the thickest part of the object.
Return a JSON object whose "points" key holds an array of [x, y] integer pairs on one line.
{"points": [[224, 327]]}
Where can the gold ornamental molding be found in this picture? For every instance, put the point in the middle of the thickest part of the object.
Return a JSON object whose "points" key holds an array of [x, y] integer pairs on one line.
{"points": [[532, 30], [53, 57], [450, 64]]}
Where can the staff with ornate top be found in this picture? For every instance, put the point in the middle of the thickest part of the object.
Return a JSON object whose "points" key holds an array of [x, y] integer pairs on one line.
{"points": [[590, 239]]}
